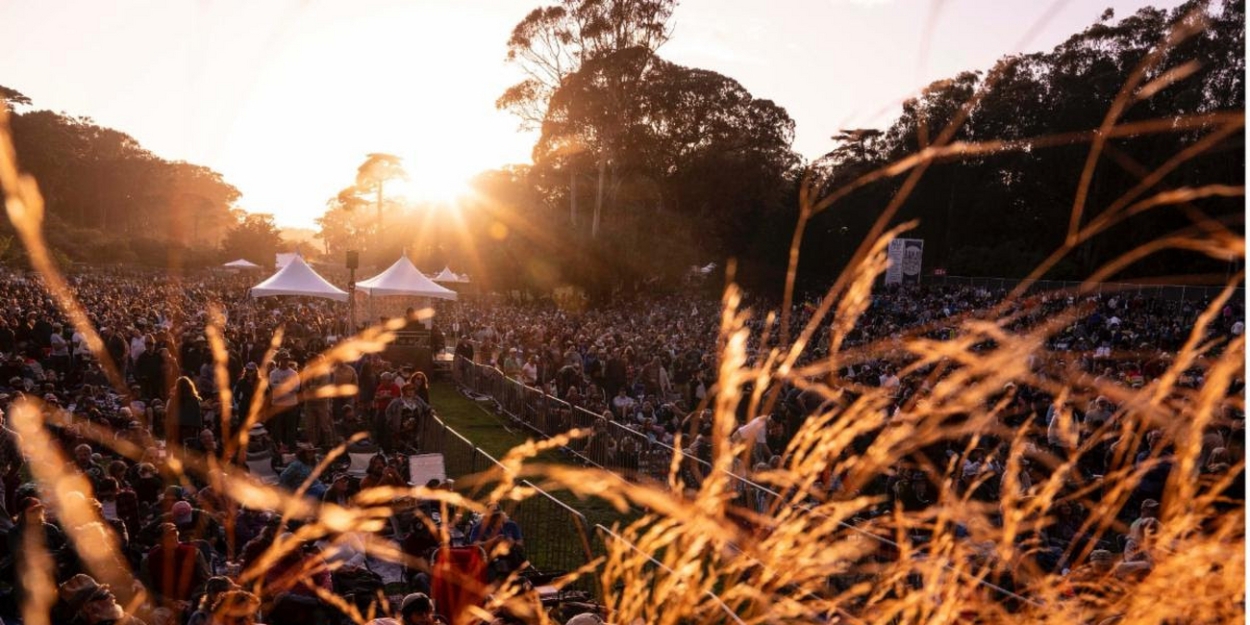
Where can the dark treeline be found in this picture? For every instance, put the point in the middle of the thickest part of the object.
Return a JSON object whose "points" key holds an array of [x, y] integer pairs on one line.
{"points": [[110, 200], [1002, 214], [644, 168]]}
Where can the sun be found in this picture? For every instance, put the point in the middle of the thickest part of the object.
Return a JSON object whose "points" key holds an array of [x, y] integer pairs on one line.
{"points": [[431, 180]]}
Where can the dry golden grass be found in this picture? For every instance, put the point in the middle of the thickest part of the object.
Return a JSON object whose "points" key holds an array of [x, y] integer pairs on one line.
{"points": [[691, 558]]}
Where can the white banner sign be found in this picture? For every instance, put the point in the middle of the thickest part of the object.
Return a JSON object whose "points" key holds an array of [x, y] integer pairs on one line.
{"points": [[906, 261]]}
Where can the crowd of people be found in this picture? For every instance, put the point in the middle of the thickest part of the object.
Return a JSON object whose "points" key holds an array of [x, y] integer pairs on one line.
{"points": [[645, 366], [198, 555], [640, 372]]}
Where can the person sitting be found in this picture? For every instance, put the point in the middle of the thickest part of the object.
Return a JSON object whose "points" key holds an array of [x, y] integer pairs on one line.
{"points": [[205, 444], [339, 492], [174, 571], [380, 473], [85, 601], [418, 609], [295, 580], [235, 607], [501, 539], [297, 473], [213, 589]]}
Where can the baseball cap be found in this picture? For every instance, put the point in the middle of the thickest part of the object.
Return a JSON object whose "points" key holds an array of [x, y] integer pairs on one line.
{"points": [[181, 511]]}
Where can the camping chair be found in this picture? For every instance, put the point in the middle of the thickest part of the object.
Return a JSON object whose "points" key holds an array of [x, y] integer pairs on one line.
{"points": [[359, 453], [260, 465], [458, 581]]}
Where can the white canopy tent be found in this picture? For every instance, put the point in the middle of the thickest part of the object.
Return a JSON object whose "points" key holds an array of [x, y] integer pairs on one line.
{"points": [[402, 278], [449, 277], [297, 278], [282, 260], [242, 263]]}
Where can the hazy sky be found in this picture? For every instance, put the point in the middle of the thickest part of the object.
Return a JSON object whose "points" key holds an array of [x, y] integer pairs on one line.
{"points": [[286, 97]]}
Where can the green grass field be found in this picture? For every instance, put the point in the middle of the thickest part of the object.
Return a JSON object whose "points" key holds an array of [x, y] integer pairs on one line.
{"points": [[496, 434]]}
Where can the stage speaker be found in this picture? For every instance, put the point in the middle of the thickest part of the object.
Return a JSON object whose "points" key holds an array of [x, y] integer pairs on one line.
{"points": [[353, 259]]}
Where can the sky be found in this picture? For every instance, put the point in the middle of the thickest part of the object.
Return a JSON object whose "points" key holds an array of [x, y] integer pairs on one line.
{"points": [[286, 97]]}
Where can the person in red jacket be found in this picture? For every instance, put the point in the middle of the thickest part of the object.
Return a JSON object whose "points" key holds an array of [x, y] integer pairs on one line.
{"points": [[175, 571], [387, 391]]}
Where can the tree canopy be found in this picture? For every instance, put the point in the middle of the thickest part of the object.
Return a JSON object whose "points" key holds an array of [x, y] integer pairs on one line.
{"points": [[110, 199], [1001, 213]]}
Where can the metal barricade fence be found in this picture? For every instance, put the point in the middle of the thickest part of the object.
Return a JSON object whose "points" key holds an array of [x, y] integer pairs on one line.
{"points": [[566, 545], [726, 614], [552, 416]]}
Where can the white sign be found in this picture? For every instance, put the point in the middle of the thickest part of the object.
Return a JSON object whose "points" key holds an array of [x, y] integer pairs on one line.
{"points": [[906, 260], [425, 467]]}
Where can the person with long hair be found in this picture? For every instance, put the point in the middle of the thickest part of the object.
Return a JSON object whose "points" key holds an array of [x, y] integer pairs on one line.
{"points": [[183, 413], [422, 385]]}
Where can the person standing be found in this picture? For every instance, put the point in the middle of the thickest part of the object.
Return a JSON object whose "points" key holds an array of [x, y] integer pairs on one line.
{"points": [[183, 414], [318, 425], [284, 385]]}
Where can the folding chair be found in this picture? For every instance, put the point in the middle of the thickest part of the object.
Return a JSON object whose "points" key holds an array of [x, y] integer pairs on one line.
{"points": [[360, 453], [260, 465]]}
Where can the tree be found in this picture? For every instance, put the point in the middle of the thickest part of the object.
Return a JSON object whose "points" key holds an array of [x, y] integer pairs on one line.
{"points": [[372, 176], [607, 42], [253, 237], [716, 158], [1002, 213], [12, 97], [343, 227]]}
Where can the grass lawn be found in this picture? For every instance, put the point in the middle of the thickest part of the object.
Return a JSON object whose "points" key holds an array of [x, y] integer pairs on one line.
{"points": [[496, 434]]}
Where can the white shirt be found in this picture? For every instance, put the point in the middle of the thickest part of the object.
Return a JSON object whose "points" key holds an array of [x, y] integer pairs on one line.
{"points": [[137, 347], [276, 379], [59, 346], [529, 373], [80, 344], [754, 430]]}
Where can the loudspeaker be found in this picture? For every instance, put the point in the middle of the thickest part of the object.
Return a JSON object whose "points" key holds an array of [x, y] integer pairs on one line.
{"points": [[353, 259]]}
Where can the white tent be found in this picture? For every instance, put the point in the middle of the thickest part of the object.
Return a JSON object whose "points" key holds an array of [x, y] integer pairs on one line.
{"points": [[447, 276], [282, 260], [241, 264], [402, 278], [297, 278]]}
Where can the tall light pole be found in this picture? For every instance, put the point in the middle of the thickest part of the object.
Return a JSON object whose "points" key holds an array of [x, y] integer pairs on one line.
{"points": [[353, 260]]}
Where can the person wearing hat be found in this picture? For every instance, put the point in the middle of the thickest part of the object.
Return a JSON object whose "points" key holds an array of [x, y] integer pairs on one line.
{"points": [[83, 600], [339, 492]]}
